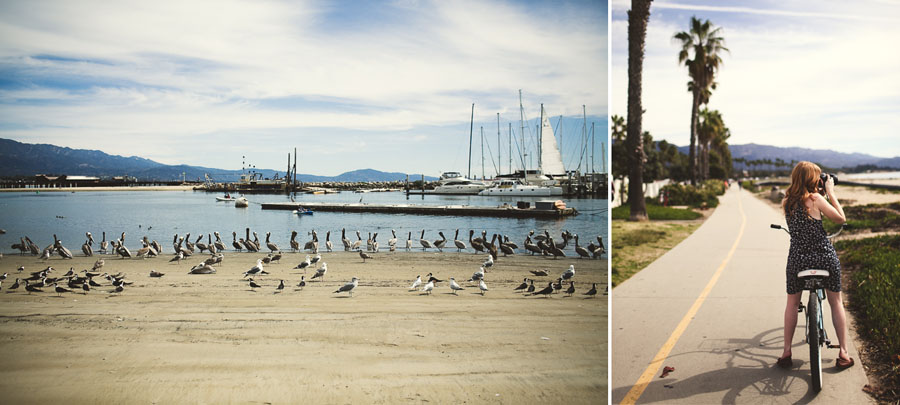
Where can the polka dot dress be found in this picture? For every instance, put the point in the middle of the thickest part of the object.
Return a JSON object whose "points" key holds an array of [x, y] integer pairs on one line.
{"points": [[810, 249]]}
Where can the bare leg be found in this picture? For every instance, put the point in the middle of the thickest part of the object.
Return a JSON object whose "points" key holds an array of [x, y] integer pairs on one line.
{"points": [[839, 320], [790, 321]]}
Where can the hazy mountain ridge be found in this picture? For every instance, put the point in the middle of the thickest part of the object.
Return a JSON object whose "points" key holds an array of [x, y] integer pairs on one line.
{"points": [[24, 159], [826, 157]]}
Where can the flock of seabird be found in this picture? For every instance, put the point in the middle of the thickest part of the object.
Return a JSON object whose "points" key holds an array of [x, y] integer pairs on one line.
{"points": [[184, 247]]}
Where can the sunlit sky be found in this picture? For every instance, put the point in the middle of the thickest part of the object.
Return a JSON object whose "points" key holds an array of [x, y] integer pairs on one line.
{"points": [[384, 85], [820, 75]]}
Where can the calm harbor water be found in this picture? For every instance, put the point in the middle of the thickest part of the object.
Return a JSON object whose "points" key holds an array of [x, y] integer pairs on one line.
{"points": [[161, 214]]}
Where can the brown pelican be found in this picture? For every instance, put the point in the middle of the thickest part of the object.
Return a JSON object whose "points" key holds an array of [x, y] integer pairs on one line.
{"points": [[33, 247], [256, 241], [344, 239], [440, 243], [122, 250], [408, 241], [187, 242], [507, 250], [375, 242], [248, 244], [86, 247], [492, 247], [507, 242], [424, 242], [211, 246], [476, 243], [392, 242], [103, 244], [219, 244], [312, 245], [349, 286], [156, 274], [358, 242], [582, 252], [62, 250], [565, 237], [460, 245], [152, 249], [555, 250], [237, 245], [176, 245], [531, 247], [295, 246], [272, 247], [21, 246], [200, 245], [202, 268], [369, 243], [328, 244]]}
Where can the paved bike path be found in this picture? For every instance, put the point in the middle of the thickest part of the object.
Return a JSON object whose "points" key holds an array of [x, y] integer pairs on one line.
{"points": [[725, 352]]}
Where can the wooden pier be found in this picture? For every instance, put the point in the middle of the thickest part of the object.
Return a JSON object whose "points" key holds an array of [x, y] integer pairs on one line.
{"points": [[504, 211]]}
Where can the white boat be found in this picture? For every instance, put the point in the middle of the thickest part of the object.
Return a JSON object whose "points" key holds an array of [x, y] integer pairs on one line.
{"points": [[517, 188], [455, 183], [241, 203], [225, 198]]}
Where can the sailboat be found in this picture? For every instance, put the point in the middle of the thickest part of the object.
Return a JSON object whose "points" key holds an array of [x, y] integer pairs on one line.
{"points": [[530, 182]]}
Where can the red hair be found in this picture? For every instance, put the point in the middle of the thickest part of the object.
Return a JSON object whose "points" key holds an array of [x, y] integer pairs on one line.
{"points": [[804, 182]]}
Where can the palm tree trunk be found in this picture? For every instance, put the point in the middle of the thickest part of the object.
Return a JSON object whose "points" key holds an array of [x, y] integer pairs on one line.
{"points": [[695, 118], [638, 17]]}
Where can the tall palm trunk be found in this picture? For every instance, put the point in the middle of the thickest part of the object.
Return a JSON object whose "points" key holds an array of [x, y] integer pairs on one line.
{"points": [[695, 118], [638, 17]]}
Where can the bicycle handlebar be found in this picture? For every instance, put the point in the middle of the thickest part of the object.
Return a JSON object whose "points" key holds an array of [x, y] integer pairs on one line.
{"points": [[776, 226]]}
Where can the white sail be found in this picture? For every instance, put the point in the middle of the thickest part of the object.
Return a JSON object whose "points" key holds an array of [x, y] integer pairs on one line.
{"points": [[551, 161]]}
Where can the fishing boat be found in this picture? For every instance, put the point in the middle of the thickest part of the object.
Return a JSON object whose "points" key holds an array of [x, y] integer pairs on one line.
{"points": [[226, 198], [241, 203]]}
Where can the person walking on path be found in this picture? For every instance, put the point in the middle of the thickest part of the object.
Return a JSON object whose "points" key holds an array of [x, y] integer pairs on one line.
{"points": [[804, 206]]}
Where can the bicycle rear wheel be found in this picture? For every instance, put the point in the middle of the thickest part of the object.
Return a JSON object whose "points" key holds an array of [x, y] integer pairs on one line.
{"points": [[815, 348]]}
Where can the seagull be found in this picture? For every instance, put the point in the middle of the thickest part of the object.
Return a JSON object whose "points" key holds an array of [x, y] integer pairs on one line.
{"points": [[98, 264], [280, 287], [302, 282], [177, 258], [154, 273], [416, 283], [320, 272], [482, 286], [522, 286], [428, 287], [593, 291], [348, 287], [455, 287], [304, 264], [253, 285], [569, 273], [546, 291], [478, 275], [489, 262], [315, 259], [571, 289], [255, 269], [364, 255]]}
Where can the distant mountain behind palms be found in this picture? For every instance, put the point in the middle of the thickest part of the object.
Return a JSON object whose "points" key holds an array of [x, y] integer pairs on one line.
{"points": [[825, 157], [24, 159]]}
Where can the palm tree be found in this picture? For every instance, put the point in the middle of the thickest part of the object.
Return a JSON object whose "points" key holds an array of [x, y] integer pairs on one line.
{"points": [[638, 17], [710, 131], [704, 44]]}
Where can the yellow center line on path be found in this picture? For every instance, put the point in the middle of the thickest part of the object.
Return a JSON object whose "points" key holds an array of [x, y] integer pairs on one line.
{"points": [[635, 392]]}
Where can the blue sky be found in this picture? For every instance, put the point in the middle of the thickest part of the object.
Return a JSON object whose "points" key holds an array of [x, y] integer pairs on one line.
{"points": [[821, 75], [385, 85]]}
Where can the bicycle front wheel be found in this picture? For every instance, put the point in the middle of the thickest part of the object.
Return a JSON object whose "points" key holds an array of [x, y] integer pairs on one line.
{"points": [[815, 348]]}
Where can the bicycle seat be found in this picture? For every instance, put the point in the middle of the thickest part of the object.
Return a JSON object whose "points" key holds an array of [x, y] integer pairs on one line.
{"points": [[813, 273]]}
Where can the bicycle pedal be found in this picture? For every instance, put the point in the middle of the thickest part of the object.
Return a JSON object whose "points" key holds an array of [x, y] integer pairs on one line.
{"points": [[831, 346]]}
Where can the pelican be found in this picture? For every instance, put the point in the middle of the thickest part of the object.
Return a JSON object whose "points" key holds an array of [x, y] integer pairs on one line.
{"points": [[248, 244], [200, 245], [344, 239], [86, 247], [211, 246], [295, 246], [507, 250], [348, 287], [202, 268], [409, 241], [375, 242], [312, 245], [272, 247], [455, 287], [237, 246], [176, 244], [219, 244], [460, 245], [256, 241], [508, 243], [369, 243], [392, 242], [477, 244], [582, 252], [358, 242], [492, 247], [62, 250], [103, 244], [441, 242], [424, 242], [328, 245], [187, 242], [531, 247]]}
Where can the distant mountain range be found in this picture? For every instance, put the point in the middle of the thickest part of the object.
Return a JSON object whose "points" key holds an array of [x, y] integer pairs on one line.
{"points": [[828, 158], [24, 159]]}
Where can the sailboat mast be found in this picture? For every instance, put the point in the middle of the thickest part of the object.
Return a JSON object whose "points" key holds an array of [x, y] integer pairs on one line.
{"points": [[471, 123], [482, 153], [522, 123], [509, 138], [584, 132], [498, 144], [541, 137]]}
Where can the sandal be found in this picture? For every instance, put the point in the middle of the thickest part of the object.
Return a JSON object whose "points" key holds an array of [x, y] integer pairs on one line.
{"points": [[842, 364], [785, 362]]}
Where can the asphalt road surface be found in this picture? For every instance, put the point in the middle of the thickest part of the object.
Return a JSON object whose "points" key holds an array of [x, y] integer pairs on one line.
{"points": [[713, 308]]}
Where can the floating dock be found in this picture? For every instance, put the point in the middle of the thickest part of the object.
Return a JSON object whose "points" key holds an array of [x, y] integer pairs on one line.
{"points": [[504, 211]]}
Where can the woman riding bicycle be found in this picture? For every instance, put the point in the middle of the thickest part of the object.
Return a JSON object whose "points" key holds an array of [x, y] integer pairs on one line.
{"points": [[810, 249]]}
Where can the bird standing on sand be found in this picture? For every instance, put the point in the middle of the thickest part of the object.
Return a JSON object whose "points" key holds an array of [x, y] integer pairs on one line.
{"points": [[530, 287], [320, 272], [593, 291], [522, 286], [85, 288], [253, 285], [14, 286], [440, 243], [315, 259], [455, 287], [328, 245], [177, 258], [557, 285], [302, 282], [482, 286], [60, 290], [30, 288], [460, 245], [255, 269], [364, 255], [348, 287], [98, 265], [478, 275], [280, 287], [304, 264], [430, 277], [20, 269], [424, 242], [546, 291], [489, 262], [428, 287], [416, 283], [568, 274], [571, 289]]}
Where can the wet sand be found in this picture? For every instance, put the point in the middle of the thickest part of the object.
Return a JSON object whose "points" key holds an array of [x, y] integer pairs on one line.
{"points": [[209, 339]]}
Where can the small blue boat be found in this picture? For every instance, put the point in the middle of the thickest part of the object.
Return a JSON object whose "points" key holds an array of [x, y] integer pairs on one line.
{"points": [[303, 211]]}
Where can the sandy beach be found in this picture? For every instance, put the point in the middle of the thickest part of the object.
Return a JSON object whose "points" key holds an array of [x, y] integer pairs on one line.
{"points": [[210, 339]]}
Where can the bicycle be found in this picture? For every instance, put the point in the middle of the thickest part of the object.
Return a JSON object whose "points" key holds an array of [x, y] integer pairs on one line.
{"points": [[814, 281]]}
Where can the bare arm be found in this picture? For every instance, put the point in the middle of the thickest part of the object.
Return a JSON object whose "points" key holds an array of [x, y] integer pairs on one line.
{"points": [[833, 211]]}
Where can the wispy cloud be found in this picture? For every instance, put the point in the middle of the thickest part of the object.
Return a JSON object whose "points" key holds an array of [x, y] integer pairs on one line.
{"points": [[77, 74]]}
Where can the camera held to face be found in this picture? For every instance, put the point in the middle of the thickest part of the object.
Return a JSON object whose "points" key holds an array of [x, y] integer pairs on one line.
{"points": [[823, 178]]}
